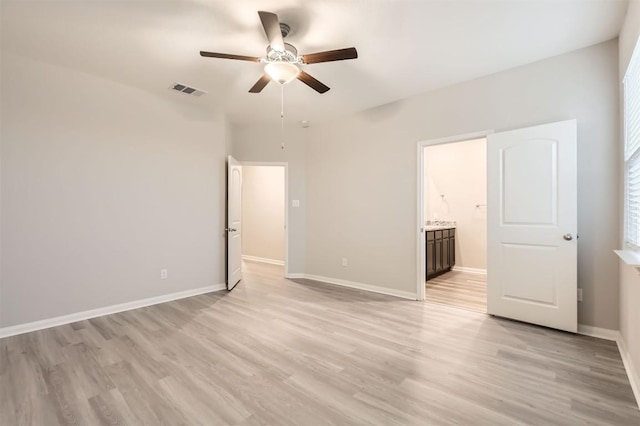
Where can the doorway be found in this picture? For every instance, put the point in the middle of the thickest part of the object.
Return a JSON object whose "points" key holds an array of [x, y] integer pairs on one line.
{"points": [[455, 223], [264, 215], [531, 176]]}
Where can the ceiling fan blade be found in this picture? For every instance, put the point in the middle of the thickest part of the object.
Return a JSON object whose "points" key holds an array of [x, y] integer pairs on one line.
{"points": [[330, 55], [260, 84], [312, 82], [271, 26], [228, 56]]}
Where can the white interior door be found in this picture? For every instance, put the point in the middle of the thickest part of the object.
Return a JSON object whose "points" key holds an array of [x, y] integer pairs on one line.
{"points": [[532, 225], [234, 223]]}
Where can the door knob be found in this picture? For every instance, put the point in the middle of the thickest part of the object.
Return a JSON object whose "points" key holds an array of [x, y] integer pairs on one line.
{"points": [[568, 237]]}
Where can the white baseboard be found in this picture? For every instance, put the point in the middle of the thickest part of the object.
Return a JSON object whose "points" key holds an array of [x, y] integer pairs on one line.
{"points": [[294, 275], [262, 260], [358, 286], [469, 270], [632, 373], [600, 333], [614, 335], [107, 310]]}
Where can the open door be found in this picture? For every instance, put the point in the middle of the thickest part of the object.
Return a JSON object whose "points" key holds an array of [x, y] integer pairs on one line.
{"points": [[234, 223], [532, 225]]}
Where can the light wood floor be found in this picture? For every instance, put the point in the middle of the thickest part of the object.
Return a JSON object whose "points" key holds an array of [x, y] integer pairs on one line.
{"points": [[460, 289], [284, 353]]}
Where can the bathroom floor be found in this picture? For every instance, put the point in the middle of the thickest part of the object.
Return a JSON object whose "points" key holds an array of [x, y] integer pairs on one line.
{"points": [[461, 289]]}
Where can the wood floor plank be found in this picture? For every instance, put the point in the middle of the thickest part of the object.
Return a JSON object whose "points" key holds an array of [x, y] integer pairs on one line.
{"points": [[276, 351], [461, 289], [112, 409]]}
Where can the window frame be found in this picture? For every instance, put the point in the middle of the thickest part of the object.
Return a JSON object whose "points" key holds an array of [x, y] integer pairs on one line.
{"points": [[631, 149]]}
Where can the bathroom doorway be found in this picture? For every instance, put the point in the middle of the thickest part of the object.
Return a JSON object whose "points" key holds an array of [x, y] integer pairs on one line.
{"points": [[454, 221]]}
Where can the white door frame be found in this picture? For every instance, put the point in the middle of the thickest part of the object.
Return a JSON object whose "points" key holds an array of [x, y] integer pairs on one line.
{"points": [[421, 254], [286, 203]]}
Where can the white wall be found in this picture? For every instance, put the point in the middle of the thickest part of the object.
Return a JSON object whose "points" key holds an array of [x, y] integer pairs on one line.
{"points": [[102, 186], [459, 172], [261, 143], [361, 170], [629, 278], [263, 212]]}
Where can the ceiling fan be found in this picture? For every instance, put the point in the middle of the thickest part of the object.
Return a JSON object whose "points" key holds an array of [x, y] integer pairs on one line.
{"points": [[282, 60]]}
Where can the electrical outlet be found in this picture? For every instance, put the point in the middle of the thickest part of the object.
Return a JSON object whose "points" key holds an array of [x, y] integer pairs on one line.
{"points": [[579, 295], [345, 262], [295, 203], [164, 274]]}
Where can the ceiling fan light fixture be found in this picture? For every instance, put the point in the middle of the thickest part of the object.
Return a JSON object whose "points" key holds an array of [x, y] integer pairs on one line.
{"points": [[282, 72], [282, 59]]}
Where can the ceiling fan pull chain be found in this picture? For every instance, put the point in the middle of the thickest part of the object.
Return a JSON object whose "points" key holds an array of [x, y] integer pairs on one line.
{"points": [[282, 116]]}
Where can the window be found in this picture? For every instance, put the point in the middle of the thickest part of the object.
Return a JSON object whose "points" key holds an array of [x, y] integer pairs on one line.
{"points": [[631, 93]]}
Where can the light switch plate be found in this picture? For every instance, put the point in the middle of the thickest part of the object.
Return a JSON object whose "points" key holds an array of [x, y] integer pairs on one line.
{"points": [[295, 203]]}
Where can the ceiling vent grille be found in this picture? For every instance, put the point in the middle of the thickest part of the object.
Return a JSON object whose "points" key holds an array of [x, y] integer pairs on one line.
{"points": [[183, 88]]}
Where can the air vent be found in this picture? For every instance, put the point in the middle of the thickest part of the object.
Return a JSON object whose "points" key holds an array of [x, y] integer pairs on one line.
{"points": [[179, 87]]}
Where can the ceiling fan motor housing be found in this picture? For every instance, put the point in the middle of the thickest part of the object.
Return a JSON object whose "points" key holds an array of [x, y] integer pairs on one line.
{"points": [[290, 54]]}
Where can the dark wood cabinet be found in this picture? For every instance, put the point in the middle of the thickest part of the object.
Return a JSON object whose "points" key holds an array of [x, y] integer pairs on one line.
{"points": [[441, 251], [431, 251]]}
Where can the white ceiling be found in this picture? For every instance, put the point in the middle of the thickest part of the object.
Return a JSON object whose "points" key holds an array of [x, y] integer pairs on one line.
{"points": [[405, 47]]}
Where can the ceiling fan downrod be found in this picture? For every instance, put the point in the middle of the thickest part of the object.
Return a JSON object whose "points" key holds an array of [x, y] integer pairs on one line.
{"points": [[282, 116]]}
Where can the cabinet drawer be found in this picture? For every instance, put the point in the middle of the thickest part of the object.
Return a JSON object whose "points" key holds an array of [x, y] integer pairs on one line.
{"points": [[438, 235], [431, 235]]}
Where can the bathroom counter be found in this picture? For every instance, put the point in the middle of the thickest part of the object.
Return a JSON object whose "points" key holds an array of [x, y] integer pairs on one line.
{"points": [[438, 227]]}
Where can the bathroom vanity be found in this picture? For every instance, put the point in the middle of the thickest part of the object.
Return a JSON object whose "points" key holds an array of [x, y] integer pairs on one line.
{"points": [[441, 249]]}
